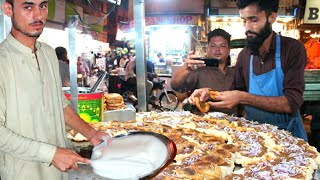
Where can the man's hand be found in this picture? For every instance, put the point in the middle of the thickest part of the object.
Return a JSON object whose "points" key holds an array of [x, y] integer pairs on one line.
{"points": [[98, 137], [203, 95], [193, 64], [74, 121], [227, 99], [66, 159]]}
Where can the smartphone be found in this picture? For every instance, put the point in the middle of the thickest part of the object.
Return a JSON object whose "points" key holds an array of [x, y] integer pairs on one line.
{"points": [[210, 62]]}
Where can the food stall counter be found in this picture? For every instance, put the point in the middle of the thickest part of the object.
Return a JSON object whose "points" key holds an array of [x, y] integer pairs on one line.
{"points": [[311, 94]]}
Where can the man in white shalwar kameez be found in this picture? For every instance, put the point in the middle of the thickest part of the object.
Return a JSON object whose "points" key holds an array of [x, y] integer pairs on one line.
{"points": [[33, 109]]}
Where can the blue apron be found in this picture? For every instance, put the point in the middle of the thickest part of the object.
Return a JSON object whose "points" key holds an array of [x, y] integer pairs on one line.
{"points": [[270, 84]]}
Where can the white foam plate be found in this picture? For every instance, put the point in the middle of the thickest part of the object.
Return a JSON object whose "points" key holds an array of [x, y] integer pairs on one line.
{"points": [[135, 155]]}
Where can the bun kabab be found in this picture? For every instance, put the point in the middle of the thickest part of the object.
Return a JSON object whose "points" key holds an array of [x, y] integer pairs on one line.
{"points": [[219, 146], [113, 101], [213, 94], [202, 106]]}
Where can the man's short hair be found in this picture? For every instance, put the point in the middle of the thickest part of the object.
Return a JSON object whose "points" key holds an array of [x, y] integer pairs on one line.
{"points": [[10, 1], [60, 52], [219, 32], [268, 6]]}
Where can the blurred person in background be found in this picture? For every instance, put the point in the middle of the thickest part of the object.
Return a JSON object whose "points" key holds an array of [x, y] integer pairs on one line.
{"points": [[269, 74], [82, 66], [118, 59], [96, 71], [130, 77], [124, 59], [150, 70], [194, 74], [110, 61], [83, 69], [64, 70], [161, 58], [93, 59], [33, 109]]}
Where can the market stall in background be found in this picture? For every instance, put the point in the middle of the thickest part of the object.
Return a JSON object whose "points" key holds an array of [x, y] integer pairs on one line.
{"points": [[225, 15], [309, 26], [167, 35], [172, 41], [170, 31], [310, 29], [90, 36]]}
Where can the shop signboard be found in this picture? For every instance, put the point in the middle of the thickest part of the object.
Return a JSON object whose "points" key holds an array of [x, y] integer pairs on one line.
{"points": [[177, 6], [312, 14], [165, 7], [169, 20]]}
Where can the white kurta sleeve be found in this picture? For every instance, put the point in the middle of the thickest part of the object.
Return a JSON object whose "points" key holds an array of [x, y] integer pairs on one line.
{"points": [[13, 143]]}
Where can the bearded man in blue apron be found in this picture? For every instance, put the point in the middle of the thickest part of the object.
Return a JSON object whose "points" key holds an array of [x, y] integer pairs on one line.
{"points": [[269, 74]]}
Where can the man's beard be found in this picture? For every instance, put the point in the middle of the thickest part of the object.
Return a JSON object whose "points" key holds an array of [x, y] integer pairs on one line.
{"points": [[254, 43], [19, 28]]}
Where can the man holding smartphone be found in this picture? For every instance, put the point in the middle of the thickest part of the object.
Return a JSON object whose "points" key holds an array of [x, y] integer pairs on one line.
{"points": [[196, 73], [269, 74]]}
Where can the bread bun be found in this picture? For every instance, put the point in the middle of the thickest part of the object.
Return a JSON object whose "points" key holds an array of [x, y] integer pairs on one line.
{"points": [[202, 106], [113, 101], [213, 94], [113, 96]]}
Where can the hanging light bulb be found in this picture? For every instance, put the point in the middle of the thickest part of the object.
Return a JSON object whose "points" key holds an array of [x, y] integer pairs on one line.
{"points": [[307, 31]]}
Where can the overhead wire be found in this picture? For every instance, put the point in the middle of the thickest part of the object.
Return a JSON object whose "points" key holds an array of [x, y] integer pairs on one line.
{"points": [[93, 7], [192, 35], [106, 14]]}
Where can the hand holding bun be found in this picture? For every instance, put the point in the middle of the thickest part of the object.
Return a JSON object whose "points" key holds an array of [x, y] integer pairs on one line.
{"points": [[202, 106], [213, 94]]}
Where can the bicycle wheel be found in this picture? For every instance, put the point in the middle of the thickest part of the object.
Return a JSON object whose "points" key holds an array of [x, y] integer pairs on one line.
{"points": [[166, 104]]}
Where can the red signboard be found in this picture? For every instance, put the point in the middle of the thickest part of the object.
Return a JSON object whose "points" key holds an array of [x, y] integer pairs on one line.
{"points": [[169, 7], [166, 20], [174, 6]]}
